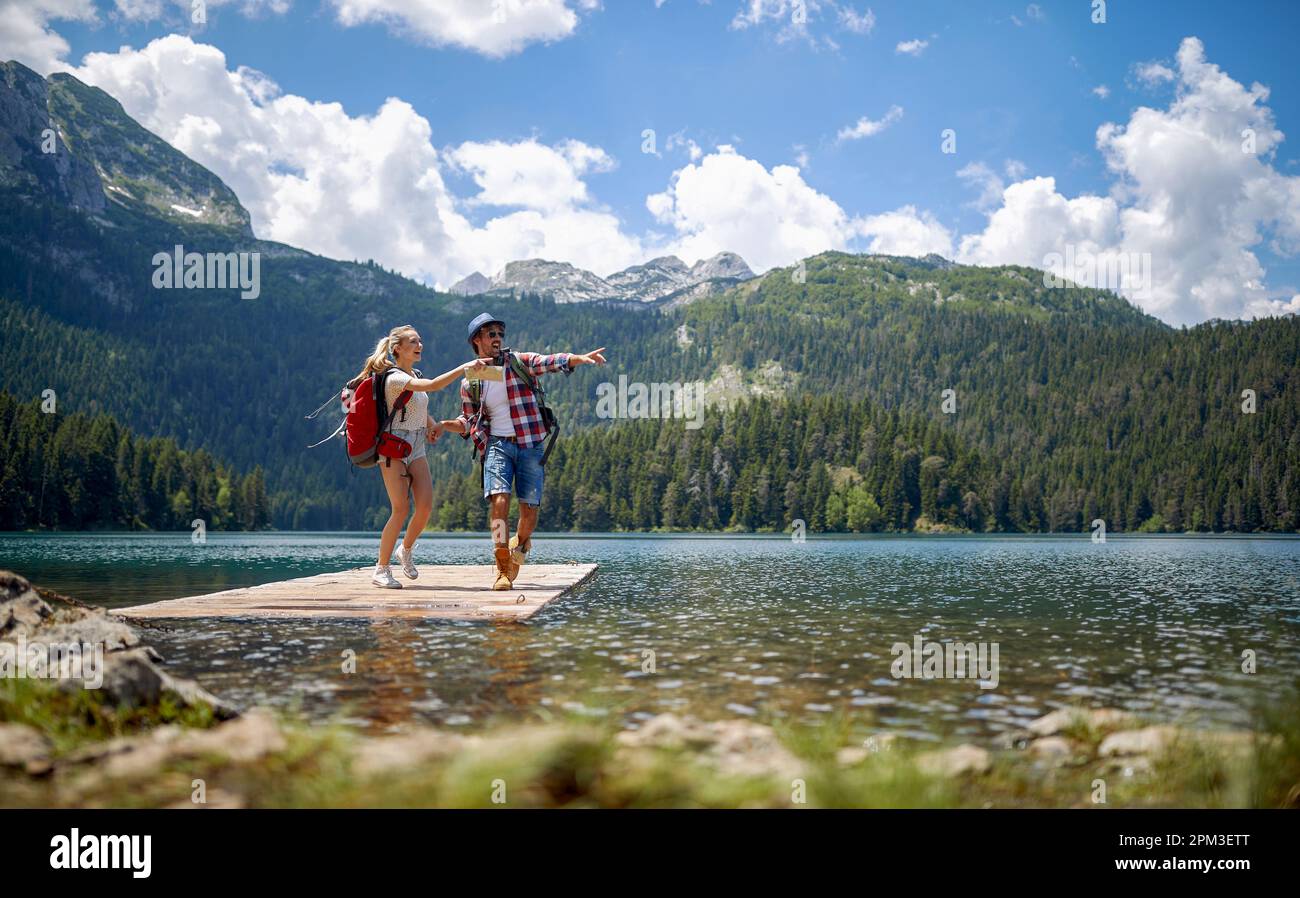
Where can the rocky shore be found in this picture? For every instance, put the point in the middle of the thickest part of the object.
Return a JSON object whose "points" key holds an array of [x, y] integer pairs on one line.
{"points": [[147, 738]]}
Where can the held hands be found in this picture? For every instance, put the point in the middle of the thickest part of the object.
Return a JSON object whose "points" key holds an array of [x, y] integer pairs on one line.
{"points": [[433, 430]]}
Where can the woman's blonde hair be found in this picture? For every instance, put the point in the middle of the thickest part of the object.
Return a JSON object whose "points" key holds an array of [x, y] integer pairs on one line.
{"points": [[380, 359]]}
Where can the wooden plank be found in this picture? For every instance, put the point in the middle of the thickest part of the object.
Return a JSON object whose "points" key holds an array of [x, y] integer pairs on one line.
{"points": [[447, 592]]}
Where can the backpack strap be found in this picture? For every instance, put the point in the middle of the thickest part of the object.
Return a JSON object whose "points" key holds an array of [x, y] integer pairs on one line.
{"points": [[381, 399]]}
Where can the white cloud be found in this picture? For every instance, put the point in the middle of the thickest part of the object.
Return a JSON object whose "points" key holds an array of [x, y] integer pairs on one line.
{"points": [[865, 127], [493, 28], [1185, 196], [795, 19], [153, 10], [986, 181], [730, 202], [1155, 73], [679, 139], [912, 47], [365, 186], [1035, 220], [1102, 91], [528, 174], [25, 33], [862, 23], [906, 232]]}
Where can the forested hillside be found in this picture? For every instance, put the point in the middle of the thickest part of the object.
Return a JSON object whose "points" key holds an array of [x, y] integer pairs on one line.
{"points": [[76, 471]]}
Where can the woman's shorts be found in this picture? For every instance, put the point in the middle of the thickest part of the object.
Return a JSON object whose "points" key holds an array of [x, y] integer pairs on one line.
{"points": [[418, 439]]}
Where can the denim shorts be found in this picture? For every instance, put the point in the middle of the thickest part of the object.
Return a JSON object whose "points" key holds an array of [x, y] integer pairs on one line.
{"points": [[508, 464], [419, 440]]}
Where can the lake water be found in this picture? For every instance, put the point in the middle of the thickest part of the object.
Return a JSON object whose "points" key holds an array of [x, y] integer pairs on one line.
{"points": [[739, 626]]}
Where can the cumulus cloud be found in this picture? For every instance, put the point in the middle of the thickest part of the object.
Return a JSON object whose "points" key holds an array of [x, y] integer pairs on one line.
{"points": [[491, 27], [905, 232], [730, 202], [369, 186], [26, 35], [529, 174], [865, 127], [912, 47], [773, 217], [1195, 195], [1102, 91]]}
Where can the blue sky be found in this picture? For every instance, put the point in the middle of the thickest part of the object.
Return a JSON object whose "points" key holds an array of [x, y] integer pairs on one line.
{"points": [[1025, 87]]}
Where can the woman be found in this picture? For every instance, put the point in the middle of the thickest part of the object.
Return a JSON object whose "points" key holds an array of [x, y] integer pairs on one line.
{"points": [[400, 350]]}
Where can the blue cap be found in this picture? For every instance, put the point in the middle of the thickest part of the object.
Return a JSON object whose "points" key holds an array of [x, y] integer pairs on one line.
{"points": [[478, 322]]}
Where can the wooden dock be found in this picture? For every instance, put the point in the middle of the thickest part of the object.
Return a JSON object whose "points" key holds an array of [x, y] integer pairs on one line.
{"points": [[446, 592]]}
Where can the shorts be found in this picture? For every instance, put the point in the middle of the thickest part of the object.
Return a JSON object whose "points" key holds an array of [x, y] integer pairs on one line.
{"points": [[419, 440], [507, 464]]}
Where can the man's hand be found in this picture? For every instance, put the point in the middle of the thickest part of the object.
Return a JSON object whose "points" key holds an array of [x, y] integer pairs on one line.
{"points": [[595, 357], [434, 429]]}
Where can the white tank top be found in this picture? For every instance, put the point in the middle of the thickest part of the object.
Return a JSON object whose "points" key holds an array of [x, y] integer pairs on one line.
{"points": [[496, 402]]}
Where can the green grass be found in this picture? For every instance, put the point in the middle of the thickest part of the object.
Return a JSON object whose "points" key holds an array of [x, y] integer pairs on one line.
{"points": [[570, 762], [74, 718]]}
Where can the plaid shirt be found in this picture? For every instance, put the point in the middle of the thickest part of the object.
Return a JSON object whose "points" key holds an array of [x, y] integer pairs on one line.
{"points": [[524, 413]]}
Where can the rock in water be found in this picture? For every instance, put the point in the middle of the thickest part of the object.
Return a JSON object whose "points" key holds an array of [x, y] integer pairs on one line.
{"points": [[21, 609]]}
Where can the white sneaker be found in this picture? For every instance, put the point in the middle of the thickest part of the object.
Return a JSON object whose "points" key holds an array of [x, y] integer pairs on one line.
{"points": [[383, 578], [408, 564]]}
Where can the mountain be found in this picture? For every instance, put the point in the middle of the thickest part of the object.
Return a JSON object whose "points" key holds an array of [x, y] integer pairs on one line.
{"points": [[850, 391], [666, 279], [471, 285], [77, 142]]}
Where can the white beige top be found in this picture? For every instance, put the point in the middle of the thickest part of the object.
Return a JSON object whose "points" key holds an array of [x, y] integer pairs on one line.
{"points": [[417, 408], [496, 402]]}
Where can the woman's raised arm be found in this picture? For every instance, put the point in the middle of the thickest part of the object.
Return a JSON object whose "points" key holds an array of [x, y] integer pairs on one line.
{"points": [[430, 385]]}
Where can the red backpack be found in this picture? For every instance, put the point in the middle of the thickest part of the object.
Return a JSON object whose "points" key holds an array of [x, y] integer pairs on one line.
{"points": [[366, 419]]}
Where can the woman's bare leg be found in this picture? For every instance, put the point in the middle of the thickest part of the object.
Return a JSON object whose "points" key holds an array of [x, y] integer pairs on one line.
{"points": [[422, 492], [397, 483]]}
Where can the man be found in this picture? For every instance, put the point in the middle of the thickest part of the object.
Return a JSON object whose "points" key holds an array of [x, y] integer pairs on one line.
{"points": [[506, 422]]}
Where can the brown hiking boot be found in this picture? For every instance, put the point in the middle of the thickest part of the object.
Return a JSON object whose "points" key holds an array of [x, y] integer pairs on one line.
{"points": [[518, 556], [505, 579]]}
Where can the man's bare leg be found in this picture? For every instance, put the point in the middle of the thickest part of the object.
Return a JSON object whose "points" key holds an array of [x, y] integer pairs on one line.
{"points": [[527, 521], [499, 511]]}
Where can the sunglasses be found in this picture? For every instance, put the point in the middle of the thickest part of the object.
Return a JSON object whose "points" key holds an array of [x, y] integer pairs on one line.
{"points": [[494, 333]]}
